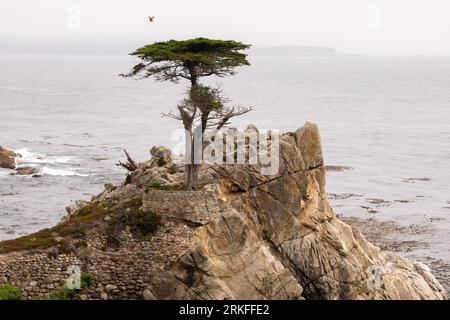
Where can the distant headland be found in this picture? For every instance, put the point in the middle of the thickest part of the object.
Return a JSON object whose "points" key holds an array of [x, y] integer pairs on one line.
{"points": [[297, 51]]}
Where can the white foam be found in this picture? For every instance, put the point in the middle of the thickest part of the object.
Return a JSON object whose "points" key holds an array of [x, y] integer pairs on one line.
{"points": [[41, 161], [61, 172], [29, 157]]}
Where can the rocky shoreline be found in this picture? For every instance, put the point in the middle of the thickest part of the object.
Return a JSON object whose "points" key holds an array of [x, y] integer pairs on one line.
{"points": [[8, 160], [388, 235], [243, 235]]}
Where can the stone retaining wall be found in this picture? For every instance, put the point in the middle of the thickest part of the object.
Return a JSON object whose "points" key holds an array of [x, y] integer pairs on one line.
{"points": [[194, 206], [123, 273]]}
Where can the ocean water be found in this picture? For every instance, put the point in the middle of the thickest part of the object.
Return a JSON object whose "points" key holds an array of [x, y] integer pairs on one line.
{"points": [[387, 118]]}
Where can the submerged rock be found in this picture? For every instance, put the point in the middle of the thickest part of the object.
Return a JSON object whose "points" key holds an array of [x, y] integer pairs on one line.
{"points": [[7, 159], [26, 171], [243, 235]]}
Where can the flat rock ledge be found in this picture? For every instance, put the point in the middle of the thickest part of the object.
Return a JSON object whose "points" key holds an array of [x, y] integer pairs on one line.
{"points": [[242, 235]]}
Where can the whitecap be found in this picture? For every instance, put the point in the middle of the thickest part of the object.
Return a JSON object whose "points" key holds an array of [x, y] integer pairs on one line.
{"points": [[29, 157], [61, 172]]}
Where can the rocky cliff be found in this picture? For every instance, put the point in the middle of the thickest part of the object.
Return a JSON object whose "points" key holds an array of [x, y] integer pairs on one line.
{"points": [[244, 235]]}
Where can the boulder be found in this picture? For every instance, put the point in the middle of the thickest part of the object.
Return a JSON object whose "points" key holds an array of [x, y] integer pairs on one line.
{"points": [[7, 159], [160, 152], [75, 207], [25, 171]]}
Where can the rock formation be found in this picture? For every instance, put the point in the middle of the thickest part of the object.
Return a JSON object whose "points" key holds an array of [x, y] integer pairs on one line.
{"points": [[7, 159], [242, 236], [25, 171]]}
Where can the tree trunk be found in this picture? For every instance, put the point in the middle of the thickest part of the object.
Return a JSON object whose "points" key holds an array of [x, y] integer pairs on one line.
{"points": [[191, 167], [191, 171], [191, 176]]}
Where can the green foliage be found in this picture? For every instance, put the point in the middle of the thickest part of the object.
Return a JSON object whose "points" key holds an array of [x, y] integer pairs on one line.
{"points": [[65, 293], [189, 59], [162, 162], [205, 98], [148, 222], [74, 227], [62, 293], [10, 292], [193, 59], [199, 50], [41, 239], [86, 280]]}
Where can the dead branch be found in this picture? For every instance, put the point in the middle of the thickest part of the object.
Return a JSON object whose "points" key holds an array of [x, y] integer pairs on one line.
{"points": [[130, 165], [221, 118]]}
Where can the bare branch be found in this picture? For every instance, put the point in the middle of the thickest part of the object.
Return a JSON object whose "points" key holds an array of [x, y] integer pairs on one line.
{"points": [[130, 165]]}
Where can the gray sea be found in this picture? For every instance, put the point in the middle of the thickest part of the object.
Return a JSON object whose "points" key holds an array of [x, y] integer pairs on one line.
{"points": [[386, 118]]}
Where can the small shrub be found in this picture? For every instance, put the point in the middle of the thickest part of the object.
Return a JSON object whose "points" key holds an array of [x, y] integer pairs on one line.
{"points": [[86, 280], [148, 222], [62, 293], [162, 162], [10, 292], [65, 293]]}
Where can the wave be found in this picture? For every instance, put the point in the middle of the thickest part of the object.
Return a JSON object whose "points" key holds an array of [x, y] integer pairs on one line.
{"points": [[46, 164], [61, 172], [29, 157]]}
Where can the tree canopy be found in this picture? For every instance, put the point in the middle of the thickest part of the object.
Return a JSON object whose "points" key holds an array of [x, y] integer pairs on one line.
{"points": [[189, 59]]}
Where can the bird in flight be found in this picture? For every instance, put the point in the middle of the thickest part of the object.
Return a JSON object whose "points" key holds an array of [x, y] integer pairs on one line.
{"points": [[151, 19]]}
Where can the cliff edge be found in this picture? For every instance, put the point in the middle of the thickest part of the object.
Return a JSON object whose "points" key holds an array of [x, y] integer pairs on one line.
{"points": [[243, 235]]}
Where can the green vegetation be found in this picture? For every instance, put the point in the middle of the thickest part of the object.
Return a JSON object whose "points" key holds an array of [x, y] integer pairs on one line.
{"points": [[10, 292], [86, 280], [65, 293], [41, 239], [148, 222], [62, 293], [189, 59], [162, 162], [141, 223], [192, 59], [74, 227]]}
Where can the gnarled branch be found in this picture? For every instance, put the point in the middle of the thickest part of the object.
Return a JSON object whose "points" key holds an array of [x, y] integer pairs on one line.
{"points": [[130, 164]]}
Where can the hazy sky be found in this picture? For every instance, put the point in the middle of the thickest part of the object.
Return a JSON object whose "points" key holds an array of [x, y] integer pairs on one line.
{"points": [[353, 26]]}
